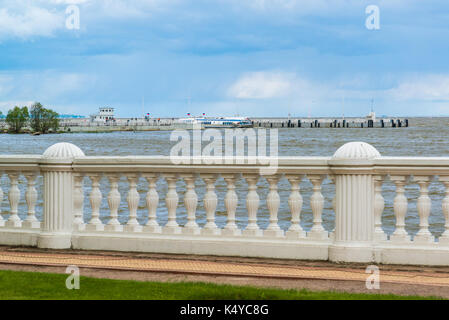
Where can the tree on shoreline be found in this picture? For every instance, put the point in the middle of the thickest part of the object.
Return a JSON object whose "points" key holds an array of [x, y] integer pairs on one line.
{"points": [[17, 118], [42, 120]]}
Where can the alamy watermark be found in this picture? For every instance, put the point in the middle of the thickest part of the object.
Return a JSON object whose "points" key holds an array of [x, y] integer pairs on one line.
{"points": [[72, 281], [227, 147], [372, 22], [72, 21], [373, 280]]}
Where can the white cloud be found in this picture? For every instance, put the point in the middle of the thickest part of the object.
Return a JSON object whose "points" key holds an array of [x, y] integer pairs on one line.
{"points": [[44, 85], [262, 85], [29, 21], [427, 87]]}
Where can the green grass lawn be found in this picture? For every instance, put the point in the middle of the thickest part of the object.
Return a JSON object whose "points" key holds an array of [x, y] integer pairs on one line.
{"points": [[33, 285]]}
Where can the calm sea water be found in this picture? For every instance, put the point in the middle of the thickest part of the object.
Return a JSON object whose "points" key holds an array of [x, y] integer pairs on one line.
{"points": [[424, 137]]}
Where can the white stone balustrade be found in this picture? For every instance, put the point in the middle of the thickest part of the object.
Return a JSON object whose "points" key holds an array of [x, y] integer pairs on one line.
{"points": [[106, 213]]}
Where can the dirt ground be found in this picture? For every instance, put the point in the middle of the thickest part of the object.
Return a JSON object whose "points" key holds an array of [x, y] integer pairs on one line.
{"points": [[311, 284]]}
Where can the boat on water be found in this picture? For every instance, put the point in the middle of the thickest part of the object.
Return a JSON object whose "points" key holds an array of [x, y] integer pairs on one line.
{"points": [[221, 122]]}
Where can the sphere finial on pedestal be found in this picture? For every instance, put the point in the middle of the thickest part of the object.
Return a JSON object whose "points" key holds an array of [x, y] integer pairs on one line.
{"points": [[63, 150], [356, 151]]}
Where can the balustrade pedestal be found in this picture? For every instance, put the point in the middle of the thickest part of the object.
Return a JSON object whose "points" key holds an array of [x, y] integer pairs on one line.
{"points": [[58, 196], [352, 167]]}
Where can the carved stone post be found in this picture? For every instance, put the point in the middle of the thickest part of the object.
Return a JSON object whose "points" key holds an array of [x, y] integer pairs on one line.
{"points": [[114, 199], [210, 205], [58, 196], [133, 202], [14, 220], [295, 203], [424, 207], [252, 205], [273, 203], [400, 206], [78, 202], [231, 201], [2, 221], [379, 206], [190, 203], [444, 239], [317, 203], [31, 221], [152, 201], [171, 201], [352, 166], [95, 198]]}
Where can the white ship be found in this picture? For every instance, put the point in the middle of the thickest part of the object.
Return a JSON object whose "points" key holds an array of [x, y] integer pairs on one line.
{"points": [[222, 122]]}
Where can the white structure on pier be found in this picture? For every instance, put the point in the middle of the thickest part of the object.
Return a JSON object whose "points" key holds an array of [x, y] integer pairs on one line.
{"points": [[105, 114], [357, 171]]}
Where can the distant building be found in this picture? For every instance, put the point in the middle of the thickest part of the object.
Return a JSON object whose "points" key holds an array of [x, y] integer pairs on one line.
{"points": [[70, 116], [105, 115]]}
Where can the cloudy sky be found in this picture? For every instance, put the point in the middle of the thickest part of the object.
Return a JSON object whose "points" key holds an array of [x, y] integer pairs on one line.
{"points": [[247, 57]]}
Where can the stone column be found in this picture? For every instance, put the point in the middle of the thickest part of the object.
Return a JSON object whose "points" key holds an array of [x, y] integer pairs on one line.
{"points": [[58, 196], [352, 166]]}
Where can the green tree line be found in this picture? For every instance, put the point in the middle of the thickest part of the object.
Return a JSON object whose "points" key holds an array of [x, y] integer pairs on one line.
{"points": [[38, 118]]}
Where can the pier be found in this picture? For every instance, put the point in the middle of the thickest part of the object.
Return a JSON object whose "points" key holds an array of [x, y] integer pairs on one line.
{"points": [[163, 124], [331, 122]]}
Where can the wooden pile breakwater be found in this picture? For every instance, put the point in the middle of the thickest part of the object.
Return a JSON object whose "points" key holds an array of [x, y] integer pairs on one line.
{"points": [[330, 123], [167, 124]]}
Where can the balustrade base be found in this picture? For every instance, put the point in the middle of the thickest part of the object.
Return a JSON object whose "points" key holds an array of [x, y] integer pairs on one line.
{"points": [[171, 230], [252, 233], [13, 224], [400, 239], [273, 233], [231, 232], [152, 229], [132, 228], [94, 227], [219, 246], [210, 232], [349, 252], [423, 239], [317, 235], [443, 241], [380, 236], [114, 228], [31, 224], [54, 240], [293, 235], [79, 227]]}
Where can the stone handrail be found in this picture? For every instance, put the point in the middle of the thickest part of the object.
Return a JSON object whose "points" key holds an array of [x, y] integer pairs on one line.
{"points": [[357, 170]]}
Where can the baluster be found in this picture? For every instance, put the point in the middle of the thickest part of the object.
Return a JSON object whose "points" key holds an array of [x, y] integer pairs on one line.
{"points": [[2, 221], [317, 204], [133, 203], [78, 202], [190, 203], [424, 207], [273, 203], [14, 220], [295, 203], [400, 209], [444, 238], [252, 205], [152, 200], [114, 200], [334, 205], [95, 197], [31, 198], [379, 206], [231, 201], [171, 201], [210, 205]]}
